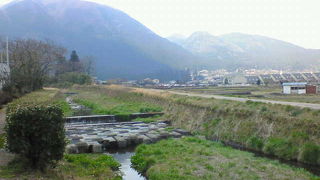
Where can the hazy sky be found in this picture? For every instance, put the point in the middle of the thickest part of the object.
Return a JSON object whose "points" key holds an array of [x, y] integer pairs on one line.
{"points": [[296, 21]]}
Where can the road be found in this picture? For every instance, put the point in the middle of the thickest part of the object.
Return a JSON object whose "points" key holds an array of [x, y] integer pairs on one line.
{"points": [[297, 104]]}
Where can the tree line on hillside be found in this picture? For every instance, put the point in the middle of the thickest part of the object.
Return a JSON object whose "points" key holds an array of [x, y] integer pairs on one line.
{"points": [[36, 63]]}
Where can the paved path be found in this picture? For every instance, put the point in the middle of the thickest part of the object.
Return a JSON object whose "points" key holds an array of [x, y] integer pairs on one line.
{"points": [[297, 104]]}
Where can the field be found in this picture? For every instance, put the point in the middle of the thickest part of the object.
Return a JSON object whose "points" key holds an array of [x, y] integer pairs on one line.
{"points": [[192, 158], [255, 92]]}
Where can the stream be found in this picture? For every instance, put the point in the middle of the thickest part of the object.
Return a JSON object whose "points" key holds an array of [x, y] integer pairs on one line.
{"points": [[123, 157]]}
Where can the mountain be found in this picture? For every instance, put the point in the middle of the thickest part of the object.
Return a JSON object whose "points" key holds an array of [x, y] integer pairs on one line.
{"points": [[236, 50], [123, 47]]}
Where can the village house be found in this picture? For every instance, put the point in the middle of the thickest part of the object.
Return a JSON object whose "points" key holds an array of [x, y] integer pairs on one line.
{"points": [[298, 88]]}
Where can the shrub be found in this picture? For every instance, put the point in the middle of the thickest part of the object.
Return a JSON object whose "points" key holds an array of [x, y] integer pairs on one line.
{"points": [[281, 148], [2, 140], [255, 143], [37, 134], [310, 153]]}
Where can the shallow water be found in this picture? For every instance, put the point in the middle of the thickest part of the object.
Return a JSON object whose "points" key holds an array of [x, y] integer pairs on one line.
{"points": [[123, 157]]}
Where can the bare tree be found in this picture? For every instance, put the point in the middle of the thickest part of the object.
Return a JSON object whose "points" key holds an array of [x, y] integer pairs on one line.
{"points": [[88, 65], [31, 62]]}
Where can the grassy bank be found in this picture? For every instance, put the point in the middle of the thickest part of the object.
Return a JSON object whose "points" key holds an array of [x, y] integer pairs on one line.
{"points": [[80, 166], [287, 132], [44, 96], [103, 103], [192, 158]]}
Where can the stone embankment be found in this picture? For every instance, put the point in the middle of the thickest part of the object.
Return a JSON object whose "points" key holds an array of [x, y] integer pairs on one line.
{"points": [[97, 138]]}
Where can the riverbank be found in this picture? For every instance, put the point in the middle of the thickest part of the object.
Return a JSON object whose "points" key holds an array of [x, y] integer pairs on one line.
{"points": [[193, 158]]}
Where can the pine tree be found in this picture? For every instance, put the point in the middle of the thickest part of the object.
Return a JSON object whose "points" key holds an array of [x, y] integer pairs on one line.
{"points": [[74, 57]]}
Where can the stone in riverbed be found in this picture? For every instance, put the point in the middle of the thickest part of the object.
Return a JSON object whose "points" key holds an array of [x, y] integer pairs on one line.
{"points": [[182, 131], [109, 142], [121, 141], [145, 139], [82, 147], [95, 148], [153, 137], [71, 149], [175, 134]]}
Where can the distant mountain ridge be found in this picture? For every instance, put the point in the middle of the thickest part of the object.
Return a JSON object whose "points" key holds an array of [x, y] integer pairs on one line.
{"points": [[248, 51], [123, 47]]}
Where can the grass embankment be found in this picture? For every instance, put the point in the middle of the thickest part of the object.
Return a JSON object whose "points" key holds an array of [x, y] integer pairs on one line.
{"points": [[284, 131], [45, 96], [104, 102], [80, 166], [192, 158]]}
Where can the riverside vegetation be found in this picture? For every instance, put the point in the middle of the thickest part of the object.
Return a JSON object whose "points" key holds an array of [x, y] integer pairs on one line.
{"points": [[287, 132], [192, 158], [78, 166]]}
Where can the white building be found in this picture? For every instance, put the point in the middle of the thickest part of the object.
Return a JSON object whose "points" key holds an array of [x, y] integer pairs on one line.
{"points": [[294, 88]]}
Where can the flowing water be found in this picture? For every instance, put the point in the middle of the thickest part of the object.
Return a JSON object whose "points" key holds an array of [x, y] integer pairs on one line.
{"points": [[123, 157]]}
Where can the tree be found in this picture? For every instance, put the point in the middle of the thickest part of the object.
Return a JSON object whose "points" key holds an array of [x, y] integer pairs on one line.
{"points": [[74, 63], [31, 62], [36, 133], [259, 82], [226, 81], [88, 65], [74, 57]]}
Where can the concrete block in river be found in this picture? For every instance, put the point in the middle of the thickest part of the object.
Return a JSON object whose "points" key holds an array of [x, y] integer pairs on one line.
{"points": [[153, 137], [109, 142], [182, 131], [145, 139], [175, 134], [71, 149], [95, 148], [164, 134], [121, 141], [82, 147]]}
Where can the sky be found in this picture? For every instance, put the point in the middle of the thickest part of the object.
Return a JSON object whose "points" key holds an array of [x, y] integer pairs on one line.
{"points": [[295, 21]]}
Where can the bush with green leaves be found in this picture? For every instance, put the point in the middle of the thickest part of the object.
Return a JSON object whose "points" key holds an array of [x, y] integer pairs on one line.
{"points": [[36, 133]]}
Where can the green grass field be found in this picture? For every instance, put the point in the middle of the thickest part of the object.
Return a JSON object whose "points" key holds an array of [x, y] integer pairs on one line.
{"points": [[77, 167], [192, 159]]}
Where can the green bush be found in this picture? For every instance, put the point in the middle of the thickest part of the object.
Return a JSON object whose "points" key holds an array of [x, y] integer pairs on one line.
{"points": [[255, 143], [310, 153], [2, 140], [37, 134], [281, 148]]}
